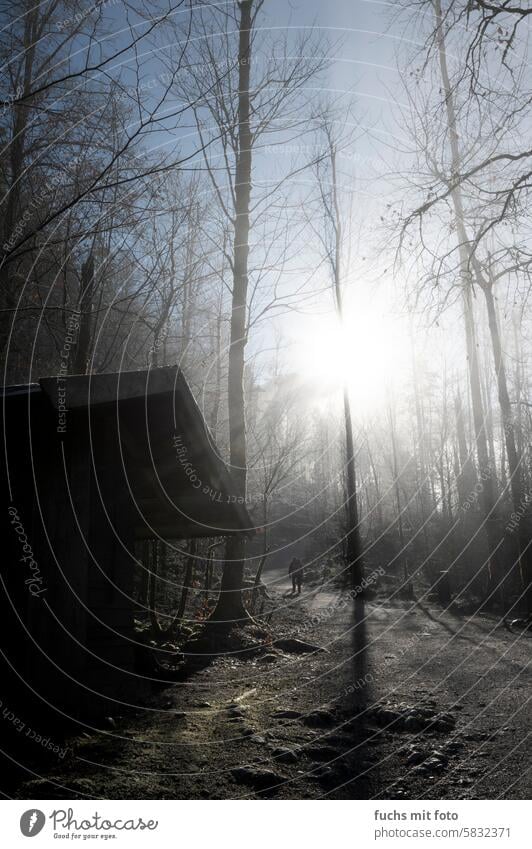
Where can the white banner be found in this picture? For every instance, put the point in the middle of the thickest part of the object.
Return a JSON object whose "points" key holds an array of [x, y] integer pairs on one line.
{"points": [[263, 824]]}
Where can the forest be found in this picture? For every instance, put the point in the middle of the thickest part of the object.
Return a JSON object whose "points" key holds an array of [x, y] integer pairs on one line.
{"points": [[320, 219]]}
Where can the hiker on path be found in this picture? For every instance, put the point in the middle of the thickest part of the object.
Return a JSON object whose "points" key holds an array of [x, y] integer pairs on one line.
{"points": [[296, 570]]}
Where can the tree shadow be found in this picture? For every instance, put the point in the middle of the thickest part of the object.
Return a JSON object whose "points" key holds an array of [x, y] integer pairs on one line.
{"points": [[428, 613], [351, 774]]}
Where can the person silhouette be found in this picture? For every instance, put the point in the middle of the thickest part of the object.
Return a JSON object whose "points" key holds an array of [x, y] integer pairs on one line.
{"points": [[296, 570]]}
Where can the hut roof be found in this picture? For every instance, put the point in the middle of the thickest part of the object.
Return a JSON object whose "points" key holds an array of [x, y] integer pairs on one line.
{"points": [[147, 427]]}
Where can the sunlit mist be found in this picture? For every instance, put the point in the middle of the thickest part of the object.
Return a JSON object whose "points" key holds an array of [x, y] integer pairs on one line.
{"points": [[369, 351]]}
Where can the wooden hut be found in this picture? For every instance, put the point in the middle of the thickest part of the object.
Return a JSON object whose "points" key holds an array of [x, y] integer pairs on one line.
{"points": [[91, 465]]}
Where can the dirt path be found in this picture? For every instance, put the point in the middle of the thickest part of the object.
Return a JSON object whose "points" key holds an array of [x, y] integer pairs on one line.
{"points": [[446, 716], [479, 672]]}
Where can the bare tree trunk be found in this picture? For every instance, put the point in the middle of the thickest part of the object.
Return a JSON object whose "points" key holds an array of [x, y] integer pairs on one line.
{"points": [[485, 470], [264, 557], [514, 466], [519, 385], [187, 581], [21, 117], [395, 467], [144, 590], [258, 576], [489, 411], [514, 463], [81, 360], [466, 475], [187, 310], [15, 147], [230, 606], [353, 542], [152, 603], [422, 465], [215, 409], [209, 567], [377, 488], [354, 546]]}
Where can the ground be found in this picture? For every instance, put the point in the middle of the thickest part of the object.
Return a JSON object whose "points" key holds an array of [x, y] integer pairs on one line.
{"points": [[436, 708]]}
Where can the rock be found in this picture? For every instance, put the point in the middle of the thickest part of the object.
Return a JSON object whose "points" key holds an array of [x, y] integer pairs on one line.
{"points": [[285, 756], [321, 753], [420, 770], [412, 723], [425, 712], [294, 646], [261, 779], [453, 747], [110, 722], [434, 765], [416, 757], [442, 725], [256, 738], [386, 716], [287, 714], [406, 718], [322, 773], [319, 718]]}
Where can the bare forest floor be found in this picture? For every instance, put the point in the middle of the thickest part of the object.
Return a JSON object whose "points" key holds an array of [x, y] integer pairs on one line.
{"points": [[442, 704]]}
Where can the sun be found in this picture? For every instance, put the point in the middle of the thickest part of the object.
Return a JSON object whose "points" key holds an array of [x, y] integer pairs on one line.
{"points": [[369, 352]]}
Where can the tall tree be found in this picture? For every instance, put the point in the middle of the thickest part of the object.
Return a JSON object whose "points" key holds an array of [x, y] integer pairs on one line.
{"points": [[333, 233], [247, 102], [230, 605]]}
